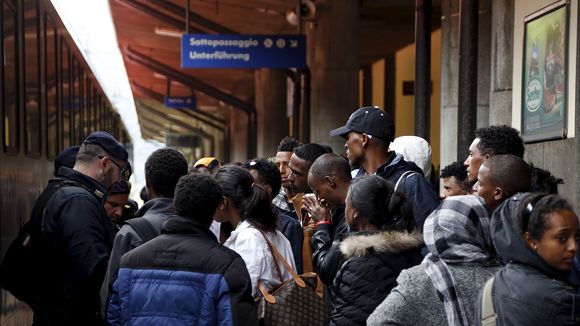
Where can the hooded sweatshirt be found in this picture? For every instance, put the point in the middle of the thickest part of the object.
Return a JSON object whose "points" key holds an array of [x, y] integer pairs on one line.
{"points": [[527, 291]]}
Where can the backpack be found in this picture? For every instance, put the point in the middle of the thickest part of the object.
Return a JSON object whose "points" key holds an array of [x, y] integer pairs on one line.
{"points": [[29, 251]]}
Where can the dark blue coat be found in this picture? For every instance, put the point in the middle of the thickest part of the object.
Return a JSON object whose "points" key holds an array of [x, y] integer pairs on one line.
{"points": [[79, 239], [182, 277], [418, 190]]}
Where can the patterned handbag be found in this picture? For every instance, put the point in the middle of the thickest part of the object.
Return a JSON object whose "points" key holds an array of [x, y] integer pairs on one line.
{"points": [[294, 302]]}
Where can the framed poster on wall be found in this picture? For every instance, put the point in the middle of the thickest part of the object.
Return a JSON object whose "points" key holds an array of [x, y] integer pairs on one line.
{"points": [[544, 84]]}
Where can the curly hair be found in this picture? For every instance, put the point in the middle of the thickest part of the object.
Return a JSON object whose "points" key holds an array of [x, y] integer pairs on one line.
{"points": [[455, 169], [288, 144], [498, 140], [163, 169], [197, 196], [544, 181], [268, 171]]}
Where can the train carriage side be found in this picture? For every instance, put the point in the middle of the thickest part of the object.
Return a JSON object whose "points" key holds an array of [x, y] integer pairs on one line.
{"points": [[49, 100]]}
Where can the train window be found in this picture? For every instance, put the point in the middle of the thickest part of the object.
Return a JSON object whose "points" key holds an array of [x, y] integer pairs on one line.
{"points": [[86, 105], [10, 77], [31, 79], [76, 102], [65, 95], [51, 88]]}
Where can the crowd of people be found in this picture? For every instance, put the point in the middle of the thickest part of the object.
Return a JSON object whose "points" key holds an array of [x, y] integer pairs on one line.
{"points": [[387, 250]]}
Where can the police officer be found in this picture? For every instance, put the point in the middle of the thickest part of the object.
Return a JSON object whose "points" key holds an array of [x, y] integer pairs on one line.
{"points": [[79, 234]]}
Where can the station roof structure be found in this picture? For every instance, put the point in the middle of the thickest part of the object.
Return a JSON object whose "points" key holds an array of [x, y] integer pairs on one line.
{"points": [[149, 36]]}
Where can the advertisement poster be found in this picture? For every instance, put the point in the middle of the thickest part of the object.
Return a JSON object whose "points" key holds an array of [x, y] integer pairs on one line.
{"points": [[544, 76]]}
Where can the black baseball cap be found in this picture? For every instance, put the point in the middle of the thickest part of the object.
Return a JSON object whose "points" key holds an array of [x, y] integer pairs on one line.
{"points": [[370, 120]]}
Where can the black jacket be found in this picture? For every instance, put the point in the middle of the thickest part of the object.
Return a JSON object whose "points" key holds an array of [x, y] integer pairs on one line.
{"points": [[184, 276], [418, 190], [79, 238], [527, 291], [372, 262], [325, 261]]}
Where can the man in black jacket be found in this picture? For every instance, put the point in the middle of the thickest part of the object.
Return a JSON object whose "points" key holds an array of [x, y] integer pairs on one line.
{"points": [[79, 235], [329, 178], [368, 133]]}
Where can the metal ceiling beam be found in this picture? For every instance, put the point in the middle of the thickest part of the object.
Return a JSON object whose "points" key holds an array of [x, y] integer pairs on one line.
{"points": [[198, 19], [156, 14], [205, 88], [186, 79], [153, 131], [159, 98], [201, 132]]}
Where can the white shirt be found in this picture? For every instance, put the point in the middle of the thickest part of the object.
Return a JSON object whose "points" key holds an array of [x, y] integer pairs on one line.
{"points": [[249, 243]]}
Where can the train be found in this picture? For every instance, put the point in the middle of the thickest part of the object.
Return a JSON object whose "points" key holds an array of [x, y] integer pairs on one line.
{"points": [[50, 100]]}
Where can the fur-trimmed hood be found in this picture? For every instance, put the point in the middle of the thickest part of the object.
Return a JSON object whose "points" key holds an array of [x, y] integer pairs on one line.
{"points": [[358, 244]]}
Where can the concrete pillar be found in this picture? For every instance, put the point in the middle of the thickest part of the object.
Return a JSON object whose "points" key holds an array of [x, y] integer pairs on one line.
{"points": [[502, 40], [271, 104], [333, 47], [450, 73], [238, 122]]}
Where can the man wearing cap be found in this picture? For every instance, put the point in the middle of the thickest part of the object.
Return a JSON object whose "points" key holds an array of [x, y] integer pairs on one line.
{"points": [[369, 132], [116, 200], [79, 235]]}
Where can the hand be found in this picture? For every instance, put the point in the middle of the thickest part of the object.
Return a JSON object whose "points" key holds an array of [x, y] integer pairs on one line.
{"points": [[318, 209]]}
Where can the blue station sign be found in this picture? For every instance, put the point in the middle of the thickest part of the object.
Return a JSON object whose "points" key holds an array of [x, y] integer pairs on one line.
{"points": [[179, 102], [243, 51]]}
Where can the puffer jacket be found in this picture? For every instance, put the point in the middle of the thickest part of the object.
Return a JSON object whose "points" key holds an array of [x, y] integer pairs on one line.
{"points": [[182, 277], [373, 260], [527, 291]]}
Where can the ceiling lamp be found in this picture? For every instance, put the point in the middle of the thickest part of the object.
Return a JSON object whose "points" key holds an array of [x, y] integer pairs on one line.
{"points": [[170, 32]]}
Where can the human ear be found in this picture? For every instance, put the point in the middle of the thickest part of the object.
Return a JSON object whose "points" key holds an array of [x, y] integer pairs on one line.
{"points": [[331, 181], [530, 241], [499, 194]]}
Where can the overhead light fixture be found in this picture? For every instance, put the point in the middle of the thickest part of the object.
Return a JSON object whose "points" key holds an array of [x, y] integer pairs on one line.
{"points": [[170, 32]]}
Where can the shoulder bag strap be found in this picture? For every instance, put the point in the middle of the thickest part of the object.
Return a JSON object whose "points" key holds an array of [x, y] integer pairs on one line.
{"points": [[270, 245], [404, 177], [143, 227], [281, 258], [488, 315]]}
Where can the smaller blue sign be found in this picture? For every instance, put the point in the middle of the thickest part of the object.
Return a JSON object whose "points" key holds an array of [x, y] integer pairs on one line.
{"points": [[243, 51], [179, 102]]}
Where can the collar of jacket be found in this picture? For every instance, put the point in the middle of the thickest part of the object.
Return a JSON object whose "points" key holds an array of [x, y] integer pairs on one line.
{"points": [[95, 188], [397, 163], [156, 205], [177, 224], [359, 244]]}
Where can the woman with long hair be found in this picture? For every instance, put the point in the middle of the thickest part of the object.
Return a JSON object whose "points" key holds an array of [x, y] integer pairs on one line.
{"points": [[248, 208], [383, 243]]}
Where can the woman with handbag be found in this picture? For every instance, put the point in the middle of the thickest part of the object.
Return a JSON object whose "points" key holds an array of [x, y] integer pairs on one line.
{"points": [[383, 243], [247, 206]]}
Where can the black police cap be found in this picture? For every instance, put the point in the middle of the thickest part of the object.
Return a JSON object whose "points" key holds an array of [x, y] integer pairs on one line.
{"points": [[108, 143], [67, 158]]}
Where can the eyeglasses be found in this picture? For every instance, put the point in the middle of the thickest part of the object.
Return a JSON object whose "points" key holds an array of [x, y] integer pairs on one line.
{"points": [[123, 171]]}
